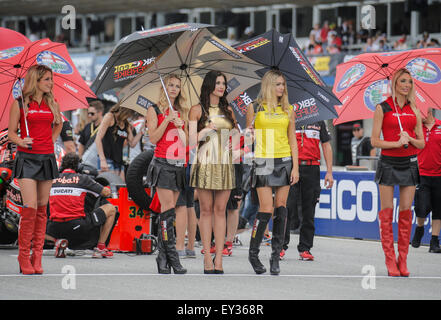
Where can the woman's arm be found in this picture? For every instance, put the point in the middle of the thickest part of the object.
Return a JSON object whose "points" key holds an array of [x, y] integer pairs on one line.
{"points": [[156, 132], [292, 139], [14, 119], [418, 142], [133, 140], [102, 129], [57, 127]]}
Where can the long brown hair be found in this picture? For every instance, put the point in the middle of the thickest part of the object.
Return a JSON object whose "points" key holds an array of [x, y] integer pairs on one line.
{"points": [[121, 114], [33, 76], [208, 86]]}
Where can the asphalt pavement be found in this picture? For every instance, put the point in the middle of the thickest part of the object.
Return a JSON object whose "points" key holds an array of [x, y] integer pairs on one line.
{"points": [[343, 269]]}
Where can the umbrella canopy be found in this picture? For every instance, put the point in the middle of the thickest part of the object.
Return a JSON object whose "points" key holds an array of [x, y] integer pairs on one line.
{"points": [[69, 90], [311, 99], [135, 52], [363, 82], [191, 57], [10, 38]]}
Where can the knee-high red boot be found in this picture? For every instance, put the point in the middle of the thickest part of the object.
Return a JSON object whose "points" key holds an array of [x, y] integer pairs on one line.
{"points": [[387, 241], [404, 230], [38, 240], [25, 233]]}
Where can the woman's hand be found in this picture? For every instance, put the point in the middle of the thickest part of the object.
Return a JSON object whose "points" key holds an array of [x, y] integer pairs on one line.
{"points": [[104, 166], [404, 139], [26, 142], [294, 177], [178, 122], [172, 115]]}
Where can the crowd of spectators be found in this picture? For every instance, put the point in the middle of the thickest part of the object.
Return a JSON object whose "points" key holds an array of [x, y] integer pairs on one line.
{"points": [[331, 39]]}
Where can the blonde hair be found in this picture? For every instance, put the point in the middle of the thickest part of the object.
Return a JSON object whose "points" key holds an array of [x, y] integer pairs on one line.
{"points": [[267, 92], [180, 104], [33, 76], [411, 95]]}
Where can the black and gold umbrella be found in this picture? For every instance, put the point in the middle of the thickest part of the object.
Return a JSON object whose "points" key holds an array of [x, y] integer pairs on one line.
{"points": [[183, 59]]}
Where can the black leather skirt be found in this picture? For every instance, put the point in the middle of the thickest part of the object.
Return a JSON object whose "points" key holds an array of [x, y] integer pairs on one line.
{"points": [[35, 166], [272, 172], [401, 171], [166, 174]]}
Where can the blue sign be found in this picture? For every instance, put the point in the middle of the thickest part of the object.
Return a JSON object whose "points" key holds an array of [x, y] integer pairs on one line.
{"points": [[350, 208]]}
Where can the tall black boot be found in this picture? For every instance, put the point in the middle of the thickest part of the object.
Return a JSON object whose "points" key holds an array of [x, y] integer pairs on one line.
{"points": [[417, 236], [169, 240], [259, 227], [279, 224], [161, 259]]}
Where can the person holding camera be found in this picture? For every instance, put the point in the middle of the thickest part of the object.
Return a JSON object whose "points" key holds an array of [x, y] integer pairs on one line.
{"points": [[77, 217]]}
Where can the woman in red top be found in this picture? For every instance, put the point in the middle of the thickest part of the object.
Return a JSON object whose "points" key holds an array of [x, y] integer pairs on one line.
{"points": [[166, 171], [35, 166], [400, 121]]}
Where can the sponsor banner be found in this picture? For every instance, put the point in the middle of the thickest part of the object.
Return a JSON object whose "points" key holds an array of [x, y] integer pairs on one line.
{"points": [[321, 64], [351, 207], [54, 61], [424, 70], [10, 52], [130, 70]]}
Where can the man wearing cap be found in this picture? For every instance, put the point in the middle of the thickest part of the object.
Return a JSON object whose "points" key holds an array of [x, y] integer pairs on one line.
{"points": [[428, 192], [305, 194], [360, 145]]}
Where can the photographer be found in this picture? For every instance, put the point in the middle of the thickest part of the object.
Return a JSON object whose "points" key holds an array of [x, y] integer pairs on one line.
{"points": [[74, 212]]}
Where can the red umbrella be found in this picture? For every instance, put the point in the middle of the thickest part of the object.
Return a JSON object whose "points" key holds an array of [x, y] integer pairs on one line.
{"points": [[363, 82], [70, 90], [10, 38]]}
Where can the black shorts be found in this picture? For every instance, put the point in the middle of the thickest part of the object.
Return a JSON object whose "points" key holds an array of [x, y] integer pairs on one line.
{"points": [[40, 167], [81, 233], [401, 171], [428, 197], [272, 172], [163, 173]]}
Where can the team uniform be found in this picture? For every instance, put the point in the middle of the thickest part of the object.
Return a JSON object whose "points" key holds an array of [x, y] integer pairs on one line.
{"points": [[72, 201], [304, 195], [273, 166], [398, 166], [39, 162], [428, 194]]}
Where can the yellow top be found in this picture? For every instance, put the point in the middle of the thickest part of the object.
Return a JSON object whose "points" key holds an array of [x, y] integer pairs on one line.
{"points": [[271, 133]]}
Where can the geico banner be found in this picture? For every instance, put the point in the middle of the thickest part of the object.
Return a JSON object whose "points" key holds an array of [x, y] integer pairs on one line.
{"points": [[350, 208]]}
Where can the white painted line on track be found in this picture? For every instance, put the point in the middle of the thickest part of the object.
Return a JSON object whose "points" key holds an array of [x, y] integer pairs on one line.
{"points": [[211, 276]]}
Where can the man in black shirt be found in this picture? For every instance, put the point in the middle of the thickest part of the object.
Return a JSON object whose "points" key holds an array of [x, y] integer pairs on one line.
{"points": [[360, 145], [87, 135]]}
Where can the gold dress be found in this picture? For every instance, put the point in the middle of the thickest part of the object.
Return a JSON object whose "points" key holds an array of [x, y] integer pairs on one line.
{"points": [[213, 168]]}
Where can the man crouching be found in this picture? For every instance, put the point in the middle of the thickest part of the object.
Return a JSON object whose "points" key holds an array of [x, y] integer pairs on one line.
{"points": [[78, 218]]}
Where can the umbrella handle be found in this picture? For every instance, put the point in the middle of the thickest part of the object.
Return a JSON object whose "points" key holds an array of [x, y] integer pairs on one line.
{"points": [[163, 86]]}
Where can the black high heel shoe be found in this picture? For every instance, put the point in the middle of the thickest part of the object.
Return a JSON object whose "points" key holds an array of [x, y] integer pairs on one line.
{"points": [[208, 271], [217, 271]]}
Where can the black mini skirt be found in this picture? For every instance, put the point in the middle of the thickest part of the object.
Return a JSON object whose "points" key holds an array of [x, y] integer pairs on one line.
{"points": [[401, 171], [40, 167], [166, 174], [272, 172]]}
